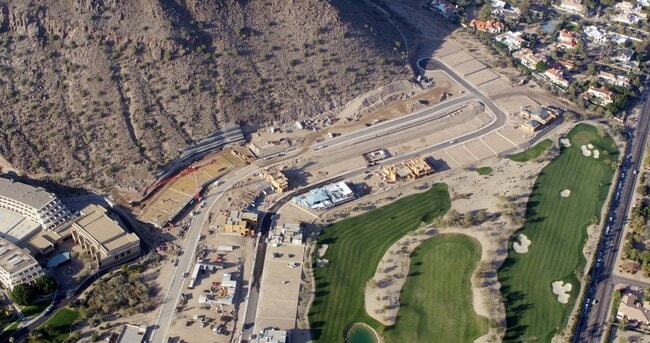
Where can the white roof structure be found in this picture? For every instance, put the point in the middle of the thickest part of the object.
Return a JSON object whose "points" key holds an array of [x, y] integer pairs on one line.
{"points": [[17, 265], [325, 197], [34, 203]]}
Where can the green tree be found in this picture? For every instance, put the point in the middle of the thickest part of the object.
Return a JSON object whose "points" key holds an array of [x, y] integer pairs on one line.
{"points": [[486, 12], [23, 294], [541, 66], [45, 284]]}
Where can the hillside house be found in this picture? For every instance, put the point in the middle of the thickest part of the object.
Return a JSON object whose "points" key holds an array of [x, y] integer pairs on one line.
{"points": [[490, 26], [611, 79], [567, 39], [603, 95], [573, 6], [527, 58], [556, 76], [511, 39]]}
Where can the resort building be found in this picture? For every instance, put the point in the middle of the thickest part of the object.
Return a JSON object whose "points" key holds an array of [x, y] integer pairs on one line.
{"points": [[17, 265], [132, 334], [277, 179], [443, 7], [242, 223], [102, 235], [33, 203], [325, 197]]}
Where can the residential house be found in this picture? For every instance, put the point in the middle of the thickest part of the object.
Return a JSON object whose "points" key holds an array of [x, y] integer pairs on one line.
{"points": [[490, 26], [443, 7], [567, 39], [573, 6], [616, 80], [541, 115], [626, 18], [530, 126], [603, 95], [623, 55], [626, 7], [643, 3], [502, 9], [527, 58], [511, 39], [633, 308], [595, 35], [556, 76], [566, 64]]}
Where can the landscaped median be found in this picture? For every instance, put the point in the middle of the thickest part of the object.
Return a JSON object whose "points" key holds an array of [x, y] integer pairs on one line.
{"points": [[355, 247], [569, 192]]}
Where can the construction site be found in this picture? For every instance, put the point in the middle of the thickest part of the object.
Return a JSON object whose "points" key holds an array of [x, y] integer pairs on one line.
{"points": [[412, 169], [166, 199]]}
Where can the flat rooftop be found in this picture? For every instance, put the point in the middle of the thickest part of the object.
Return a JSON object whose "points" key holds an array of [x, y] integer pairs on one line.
{"points": [[106, 231], [31, 196], [12, 258], [15, 227]]}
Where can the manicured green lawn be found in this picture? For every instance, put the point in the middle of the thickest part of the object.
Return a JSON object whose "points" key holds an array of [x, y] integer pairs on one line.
{"points": [[533, 152], [556, 228], [35, 309], [355, 247], [60, 324], [436, 300], [484, 170]]}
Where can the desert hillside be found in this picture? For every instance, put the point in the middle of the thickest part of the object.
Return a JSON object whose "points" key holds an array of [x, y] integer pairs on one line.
{"points": [[100, 94]]}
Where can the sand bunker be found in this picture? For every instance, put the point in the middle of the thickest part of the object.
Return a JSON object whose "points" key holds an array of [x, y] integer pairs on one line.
{"points": [[565, 193], [586, 152], [590, 146], [320, 263], [521, 247], [322, 250], [562, 291], [565, 142], [596, 153]]}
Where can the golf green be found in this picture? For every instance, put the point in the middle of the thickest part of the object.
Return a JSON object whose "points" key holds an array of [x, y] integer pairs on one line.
{"points": [[436, 301], [355, 247], [556, 227]]}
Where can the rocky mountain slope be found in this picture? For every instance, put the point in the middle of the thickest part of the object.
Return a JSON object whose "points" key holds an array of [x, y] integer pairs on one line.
{"points": [[100, 94]]}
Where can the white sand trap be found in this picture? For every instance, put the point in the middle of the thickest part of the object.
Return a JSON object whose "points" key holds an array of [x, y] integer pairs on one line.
{"points": [[561, 290], [565, 142], [521, 247], [596, 153], [586, 152], [565, 193], [322, 250], [320, 263], [590, 146]]}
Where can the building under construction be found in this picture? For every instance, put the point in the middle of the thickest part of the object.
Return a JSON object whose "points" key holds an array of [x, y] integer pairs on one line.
{"points": [[277, 179], [242, 223], [411, 169]]}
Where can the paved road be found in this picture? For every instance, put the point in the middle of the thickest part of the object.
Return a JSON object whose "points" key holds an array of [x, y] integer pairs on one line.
{"points": [[594, 315]]}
